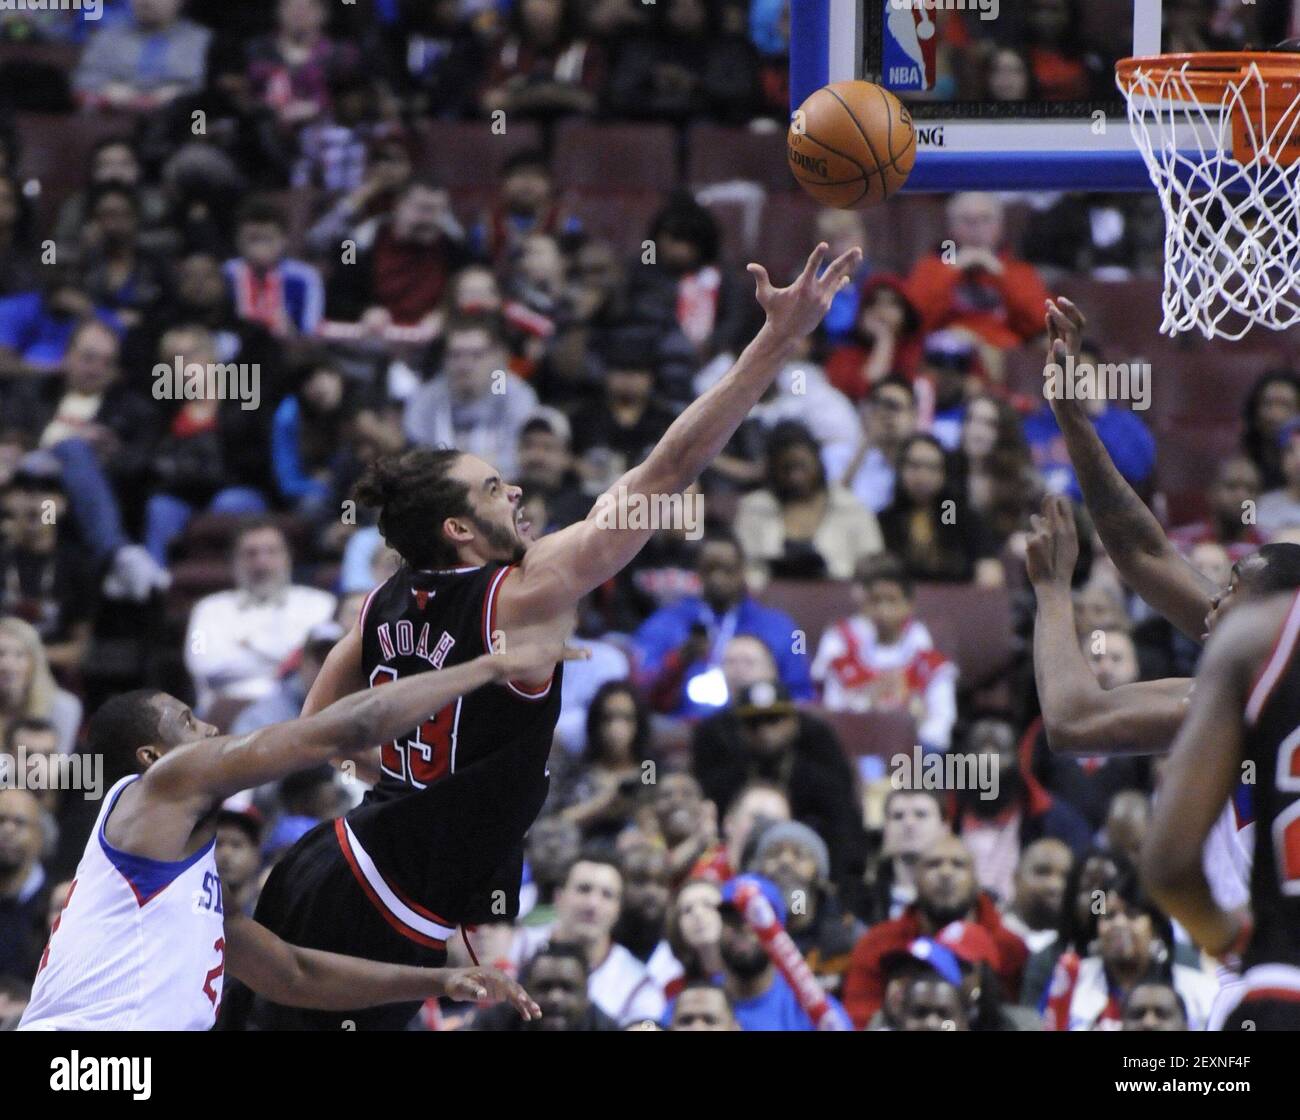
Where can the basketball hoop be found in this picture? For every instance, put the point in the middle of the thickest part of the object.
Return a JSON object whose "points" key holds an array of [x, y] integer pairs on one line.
{"points": [[1220, 134]]}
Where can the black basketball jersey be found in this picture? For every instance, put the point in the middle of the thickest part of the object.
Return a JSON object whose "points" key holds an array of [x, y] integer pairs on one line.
{"points": [[484, 753], [1272, 744]]}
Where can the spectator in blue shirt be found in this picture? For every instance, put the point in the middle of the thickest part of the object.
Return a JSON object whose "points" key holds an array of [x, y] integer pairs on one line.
{"points": [[1127, 439], [36, 327], [686, 639], [761, 998]]}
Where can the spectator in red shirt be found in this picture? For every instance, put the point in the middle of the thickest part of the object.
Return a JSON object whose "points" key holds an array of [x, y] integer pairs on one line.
{"points": [[401, 277], [946, 893], [975, 283], [885, 340], [1062, 70], [1233, 496]]}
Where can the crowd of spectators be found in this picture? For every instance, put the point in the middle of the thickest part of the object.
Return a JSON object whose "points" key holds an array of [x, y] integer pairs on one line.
{"points": [[207, 543]]}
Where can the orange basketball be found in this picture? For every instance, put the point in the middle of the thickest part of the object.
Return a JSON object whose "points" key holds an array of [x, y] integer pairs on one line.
{"points": [[851, 145]]}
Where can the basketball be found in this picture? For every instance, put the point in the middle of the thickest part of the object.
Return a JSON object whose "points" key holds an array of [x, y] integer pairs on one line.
{"points": [[851, 145]]}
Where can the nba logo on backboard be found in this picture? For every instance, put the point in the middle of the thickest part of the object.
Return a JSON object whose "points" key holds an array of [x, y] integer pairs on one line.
{"points": [[908, 46]]}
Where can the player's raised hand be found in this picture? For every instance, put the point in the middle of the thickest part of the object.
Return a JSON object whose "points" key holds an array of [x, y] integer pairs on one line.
{"points": [[486, 985], [534, 658], [796, 310], [1065, 323], [1052, 547]]}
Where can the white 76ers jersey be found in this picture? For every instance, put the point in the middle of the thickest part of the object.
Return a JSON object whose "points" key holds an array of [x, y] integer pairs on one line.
{"points": [[1229, 849], [139, 946]]}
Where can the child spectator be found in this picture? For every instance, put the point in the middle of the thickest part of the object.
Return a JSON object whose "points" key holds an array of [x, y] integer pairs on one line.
{"points": [[525, 203], [284, 295], [884, 659]]}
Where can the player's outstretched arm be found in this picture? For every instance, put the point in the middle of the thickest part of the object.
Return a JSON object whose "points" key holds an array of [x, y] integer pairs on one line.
{"points": [[562, 567], [1134, 540], [1080, 716], [1203, 767], [216, 769], [321, 981]]}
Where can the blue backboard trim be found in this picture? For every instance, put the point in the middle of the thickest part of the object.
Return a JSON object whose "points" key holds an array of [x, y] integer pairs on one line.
{"points": [[810, 37], [1029, 171]]}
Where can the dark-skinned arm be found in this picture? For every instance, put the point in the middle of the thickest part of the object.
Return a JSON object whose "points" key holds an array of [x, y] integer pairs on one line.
{"points": [[311, 978], [1132, 536], [1079, 715], [208, 769], [1204, 766]]}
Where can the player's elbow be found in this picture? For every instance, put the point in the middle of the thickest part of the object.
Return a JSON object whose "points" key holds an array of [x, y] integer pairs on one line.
{"points": [[1070, 731]]}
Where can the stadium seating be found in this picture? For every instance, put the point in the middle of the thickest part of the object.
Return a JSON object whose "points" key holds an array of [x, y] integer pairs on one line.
{"points": [[718, 154], [602, 158], [467, 153], [61, 169]]}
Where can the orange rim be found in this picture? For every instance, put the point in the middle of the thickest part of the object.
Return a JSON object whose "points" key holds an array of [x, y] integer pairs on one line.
{"points": [[1209, 73]]}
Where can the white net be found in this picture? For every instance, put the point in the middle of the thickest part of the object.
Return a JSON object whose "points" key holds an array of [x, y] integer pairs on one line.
{"points": [[1220, 150]]}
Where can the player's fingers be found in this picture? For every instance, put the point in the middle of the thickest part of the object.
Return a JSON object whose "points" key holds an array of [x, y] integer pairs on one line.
{"points": [[1059, 322], [524, 1004], [759, 273], [843, 266], [815, 259], [467, 988], [1071, 311]]}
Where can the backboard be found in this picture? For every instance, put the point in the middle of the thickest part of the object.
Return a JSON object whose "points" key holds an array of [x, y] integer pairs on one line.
{"points": [[996, 105]]}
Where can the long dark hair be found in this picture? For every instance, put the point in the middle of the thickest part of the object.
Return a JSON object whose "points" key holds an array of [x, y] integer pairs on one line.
{"points": [[1262, 448], [415, 493], [788, 434], [592, 751], [951, 488], [1075, 932]]}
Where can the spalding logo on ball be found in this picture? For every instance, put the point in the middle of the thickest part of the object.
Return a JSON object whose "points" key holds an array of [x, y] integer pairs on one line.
{"points": [[851, 145]]}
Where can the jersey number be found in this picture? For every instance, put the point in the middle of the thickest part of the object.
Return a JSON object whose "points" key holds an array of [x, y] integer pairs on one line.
{"points": [[208, 990], [424, 759], [45, 956], [1286, 825]]}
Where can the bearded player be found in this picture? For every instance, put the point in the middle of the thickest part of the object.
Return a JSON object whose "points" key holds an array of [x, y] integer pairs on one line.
{"points": [[438, 842]]}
